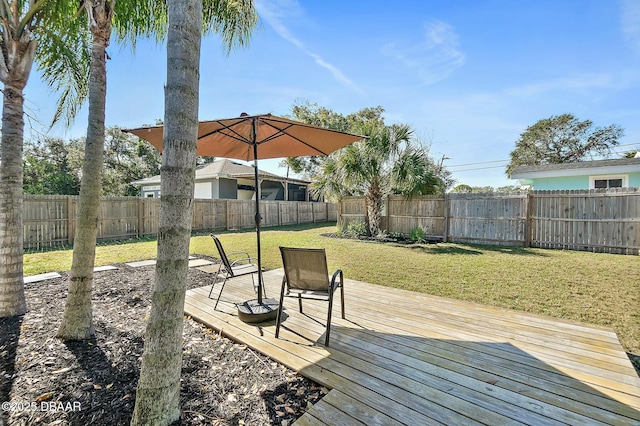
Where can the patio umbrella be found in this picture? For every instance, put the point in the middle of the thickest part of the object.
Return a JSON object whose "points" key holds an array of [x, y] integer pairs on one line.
{"points": [[253, 137]]}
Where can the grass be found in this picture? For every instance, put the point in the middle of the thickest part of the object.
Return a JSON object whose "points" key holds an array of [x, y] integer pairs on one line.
{"points": [[596, 288]]}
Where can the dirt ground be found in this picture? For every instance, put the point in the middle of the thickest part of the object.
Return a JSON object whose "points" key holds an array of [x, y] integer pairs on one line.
{"points": [[45, 381]]}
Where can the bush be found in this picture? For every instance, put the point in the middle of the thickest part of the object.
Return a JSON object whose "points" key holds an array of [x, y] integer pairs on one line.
{"points": [[397, 235], [418, 235], [357, 229]]}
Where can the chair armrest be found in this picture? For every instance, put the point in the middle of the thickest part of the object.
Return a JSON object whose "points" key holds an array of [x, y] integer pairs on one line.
{"points": [[235, 253], [337, 283], [244, 259]]}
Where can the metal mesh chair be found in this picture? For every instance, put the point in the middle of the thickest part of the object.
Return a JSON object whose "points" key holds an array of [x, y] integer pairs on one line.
{"points": [[306, 277], [233, 265]]}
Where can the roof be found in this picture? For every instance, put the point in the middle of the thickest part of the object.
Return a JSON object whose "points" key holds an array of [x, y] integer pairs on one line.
{"points": [[610, 166], [223, 168]]}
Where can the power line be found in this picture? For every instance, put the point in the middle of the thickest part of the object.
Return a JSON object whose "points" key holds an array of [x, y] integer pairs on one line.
{"points": [[479, 168], [473, 164], [506, 161]]}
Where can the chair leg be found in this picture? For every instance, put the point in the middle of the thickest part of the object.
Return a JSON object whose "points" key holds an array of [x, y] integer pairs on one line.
{"points": [[342, 295], [326, 336], [300, 303], [220, 294], [215, 280], [279, 316]]}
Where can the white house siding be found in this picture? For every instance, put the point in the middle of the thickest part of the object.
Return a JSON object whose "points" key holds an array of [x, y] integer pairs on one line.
{"points": [[202, 190]]}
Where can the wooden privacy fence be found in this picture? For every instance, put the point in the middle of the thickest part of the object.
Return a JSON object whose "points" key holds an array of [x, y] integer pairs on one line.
{"points": [[50, 220], [594, 220]]}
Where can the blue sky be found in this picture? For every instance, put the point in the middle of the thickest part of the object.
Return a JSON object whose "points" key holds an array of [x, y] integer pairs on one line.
{"points": [[469, 76]]}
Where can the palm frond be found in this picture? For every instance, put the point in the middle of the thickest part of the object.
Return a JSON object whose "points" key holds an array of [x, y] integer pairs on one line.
{"points": [[64, 58]]}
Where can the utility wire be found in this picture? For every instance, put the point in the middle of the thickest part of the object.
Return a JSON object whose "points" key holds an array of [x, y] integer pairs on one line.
{"points": [[478, 168], [506, 161]]}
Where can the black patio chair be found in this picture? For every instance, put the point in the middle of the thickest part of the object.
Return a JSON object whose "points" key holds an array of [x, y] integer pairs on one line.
{"points": [[233, 265], [306, 276]]}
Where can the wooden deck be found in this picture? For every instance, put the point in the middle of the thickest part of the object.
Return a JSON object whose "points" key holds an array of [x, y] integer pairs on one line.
{"points": [[409, 358]]}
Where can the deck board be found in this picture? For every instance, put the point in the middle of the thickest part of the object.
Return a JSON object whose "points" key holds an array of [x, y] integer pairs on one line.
{"points": [[401, 357]]}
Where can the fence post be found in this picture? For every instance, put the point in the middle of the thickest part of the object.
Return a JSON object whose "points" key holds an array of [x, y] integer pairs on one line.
{"points": [[228, 215], [387, 226], [140, 218], [528, 237], [447, 200], [70, 216]]}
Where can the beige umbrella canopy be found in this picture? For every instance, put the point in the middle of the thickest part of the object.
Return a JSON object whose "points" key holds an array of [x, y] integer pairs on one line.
{"points": [[253, 137], [274, 137]]}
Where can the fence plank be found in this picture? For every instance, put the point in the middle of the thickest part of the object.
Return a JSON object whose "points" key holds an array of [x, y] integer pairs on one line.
{"points": [[49, 220], [594, 220]]}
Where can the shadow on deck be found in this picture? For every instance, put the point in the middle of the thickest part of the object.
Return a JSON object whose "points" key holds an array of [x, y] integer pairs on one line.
{"points": [[409, 358]]}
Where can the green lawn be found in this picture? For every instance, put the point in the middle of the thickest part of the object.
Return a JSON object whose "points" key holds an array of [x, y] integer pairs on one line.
{"points": [[591, 287]]}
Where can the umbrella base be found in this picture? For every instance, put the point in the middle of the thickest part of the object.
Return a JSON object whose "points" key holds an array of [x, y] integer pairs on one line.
{"points": [[252, 312]]}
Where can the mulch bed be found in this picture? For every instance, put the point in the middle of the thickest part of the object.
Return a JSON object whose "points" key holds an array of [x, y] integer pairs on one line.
{"points": [[46, 381]]}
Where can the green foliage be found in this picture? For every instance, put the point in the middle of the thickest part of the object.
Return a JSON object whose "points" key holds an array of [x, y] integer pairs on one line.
{"points": [[388, 161], [356, 229], [563, 139], [53, 166], [397, 235], [418, 235], [63, 59], [126, 159], [462, 189]]}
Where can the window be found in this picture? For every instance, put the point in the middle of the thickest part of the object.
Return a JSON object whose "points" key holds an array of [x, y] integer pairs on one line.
{"points": [[605, 182]]}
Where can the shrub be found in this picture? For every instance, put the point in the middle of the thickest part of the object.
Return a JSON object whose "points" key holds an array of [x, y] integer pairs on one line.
{"points": [[397, 236], [357, 229], [418, 235]]}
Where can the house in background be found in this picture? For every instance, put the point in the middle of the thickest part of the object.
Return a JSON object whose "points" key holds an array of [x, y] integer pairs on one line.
{"points": [[226, 179], [599, 174]]}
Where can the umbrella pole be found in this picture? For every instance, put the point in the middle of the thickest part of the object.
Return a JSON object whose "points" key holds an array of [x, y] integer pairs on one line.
{"points": [[258, 219], [260, 310], [256, 311]]}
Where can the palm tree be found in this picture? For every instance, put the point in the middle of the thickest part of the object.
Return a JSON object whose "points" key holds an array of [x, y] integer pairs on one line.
{"points": [[386, 163], [131, 20], [29, 31], [77, 323], [158, 392]]}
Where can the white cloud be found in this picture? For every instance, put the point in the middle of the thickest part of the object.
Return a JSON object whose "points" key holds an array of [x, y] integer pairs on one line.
{"points": [[435, 57], [573, 83], [630, 10], [275, 13]]}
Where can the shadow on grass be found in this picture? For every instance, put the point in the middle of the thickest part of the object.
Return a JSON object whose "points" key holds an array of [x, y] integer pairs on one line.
{"points": [[283, 228], [472, 249], [9, 338], [103, 243], [436, 249]]}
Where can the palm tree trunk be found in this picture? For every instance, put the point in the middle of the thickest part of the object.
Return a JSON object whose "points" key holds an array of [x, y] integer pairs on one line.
{"points": [[158, 392], [12, 301], [373, 201], [77, 321], [15, 66]]}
